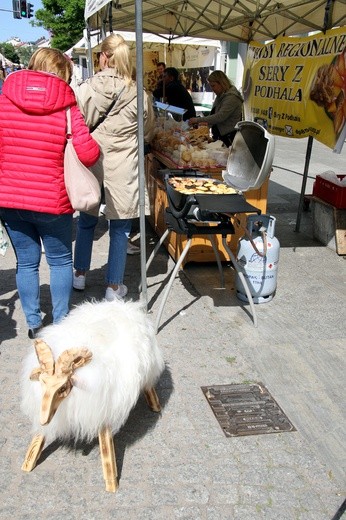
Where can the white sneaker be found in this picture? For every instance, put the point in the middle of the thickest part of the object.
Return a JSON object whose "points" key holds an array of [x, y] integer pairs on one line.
{"points": [[118, 294], [79, 282], [132, 249]]}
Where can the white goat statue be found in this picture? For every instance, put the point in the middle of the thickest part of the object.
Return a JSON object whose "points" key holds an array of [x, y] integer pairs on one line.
{"points": [[93, 366]]}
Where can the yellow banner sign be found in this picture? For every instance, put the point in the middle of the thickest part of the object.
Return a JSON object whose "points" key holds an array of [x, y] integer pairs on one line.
{"points": [[296, 87]]}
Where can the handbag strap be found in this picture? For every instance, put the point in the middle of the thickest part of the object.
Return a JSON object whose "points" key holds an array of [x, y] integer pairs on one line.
{"points": [[68, 119], [103, 117]]}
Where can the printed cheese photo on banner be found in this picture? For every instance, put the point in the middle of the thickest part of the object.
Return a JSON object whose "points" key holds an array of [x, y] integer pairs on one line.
{"points": [[329, 90], [296, 87]]}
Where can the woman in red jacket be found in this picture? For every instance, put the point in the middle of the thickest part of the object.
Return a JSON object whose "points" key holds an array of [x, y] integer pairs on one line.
{"points": [[34, 204]]}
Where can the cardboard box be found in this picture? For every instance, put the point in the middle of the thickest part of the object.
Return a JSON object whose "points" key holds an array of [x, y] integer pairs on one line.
{"points": [[330, 192]]}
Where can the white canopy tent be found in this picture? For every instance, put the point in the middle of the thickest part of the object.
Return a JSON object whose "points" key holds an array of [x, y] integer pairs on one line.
{"points": [[219, 19], [153, 39], [214, 19]]}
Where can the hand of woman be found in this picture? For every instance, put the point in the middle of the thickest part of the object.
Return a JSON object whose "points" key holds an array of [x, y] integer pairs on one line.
{"points": [[193, 121]]}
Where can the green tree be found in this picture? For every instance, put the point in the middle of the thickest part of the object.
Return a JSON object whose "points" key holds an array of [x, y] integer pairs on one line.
{"points": [[63, 19], [25, 53], [10, 52]]}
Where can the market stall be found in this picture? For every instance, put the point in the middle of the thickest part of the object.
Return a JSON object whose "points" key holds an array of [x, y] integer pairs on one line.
{"points": [[181, 150], [264, 20]]}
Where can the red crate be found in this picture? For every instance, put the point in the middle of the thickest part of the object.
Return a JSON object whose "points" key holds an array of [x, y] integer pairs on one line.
{"points": [[330, 192]]}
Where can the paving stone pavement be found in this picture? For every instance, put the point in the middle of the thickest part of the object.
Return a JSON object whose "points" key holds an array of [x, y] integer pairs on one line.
{"points": [[179, 464]]}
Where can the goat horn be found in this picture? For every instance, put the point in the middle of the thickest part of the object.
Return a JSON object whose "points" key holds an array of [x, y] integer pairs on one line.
{"points": [[72, 359], [44, 356]]}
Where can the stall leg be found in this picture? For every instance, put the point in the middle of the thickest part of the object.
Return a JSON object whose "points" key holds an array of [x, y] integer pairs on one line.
{"points": [[243, 281], [218, 260], [305, 177], [157, 247], [155, 250], [171, 280]]}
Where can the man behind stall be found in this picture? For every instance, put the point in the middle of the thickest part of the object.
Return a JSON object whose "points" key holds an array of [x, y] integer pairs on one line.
{"points": [[174, 93], [160, 69]]}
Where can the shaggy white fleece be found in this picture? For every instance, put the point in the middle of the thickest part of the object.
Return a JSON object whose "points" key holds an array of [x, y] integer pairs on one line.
{"points": [[125, 361]]}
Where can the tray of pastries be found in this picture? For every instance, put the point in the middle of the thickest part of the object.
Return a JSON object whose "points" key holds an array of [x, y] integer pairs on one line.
{"points": [[200, 186], [209, 194]]}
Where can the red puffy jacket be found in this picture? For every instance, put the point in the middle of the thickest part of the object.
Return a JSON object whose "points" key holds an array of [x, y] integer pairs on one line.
{"points": [[33, 138]]}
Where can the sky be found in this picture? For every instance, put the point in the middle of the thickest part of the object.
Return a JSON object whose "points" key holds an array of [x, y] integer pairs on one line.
{"points": [[10, 26]]}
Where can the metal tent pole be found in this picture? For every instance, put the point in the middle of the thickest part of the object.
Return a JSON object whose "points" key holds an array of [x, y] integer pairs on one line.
{"points": [[305, 176], [327, 24], [110, 17], [141, 171], [89, 54]]}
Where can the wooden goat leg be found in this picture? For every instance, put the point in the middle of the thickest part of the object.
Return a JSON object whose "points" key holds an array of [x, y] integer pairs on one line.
{"points": [[109, 467], [33, 453], [152, 400]]}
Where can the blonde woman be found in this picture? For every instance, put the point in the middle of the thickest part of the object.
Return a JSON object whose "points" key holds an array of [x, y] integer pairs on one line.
{"points": [[118, 164], [33, 200], [226, 111]]}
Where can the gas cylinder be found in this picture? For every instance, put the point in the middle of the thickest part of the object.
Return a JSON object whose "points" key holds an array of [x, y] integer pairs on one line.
{"points": [[258, 258]]}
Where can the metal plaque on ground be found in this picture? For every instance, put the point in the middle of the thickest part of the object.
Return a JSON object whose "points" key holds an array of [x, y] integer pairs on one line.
{"points": [[246, 409]]}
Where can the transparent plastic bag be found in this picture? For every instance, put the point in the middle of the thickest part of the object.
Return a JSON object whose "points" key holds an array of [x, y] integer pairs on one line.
{"points": [[4, 242]]}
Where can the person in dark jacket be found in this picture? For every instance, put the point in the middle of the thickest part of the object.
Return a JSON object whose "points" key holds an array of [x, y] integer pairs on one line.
{"points": [[34, 203], [174, 93]]}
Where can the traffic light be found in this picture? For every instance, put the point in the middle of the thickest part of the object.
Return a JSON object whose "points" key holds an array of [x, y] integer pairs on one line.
{"points": [[30, 10], [15, 9], [23, 8]]}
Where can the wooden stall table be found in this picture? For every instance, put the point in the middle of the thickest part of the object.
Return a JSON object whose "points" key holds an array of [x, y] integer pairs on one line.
{"points": [[201, 249]]}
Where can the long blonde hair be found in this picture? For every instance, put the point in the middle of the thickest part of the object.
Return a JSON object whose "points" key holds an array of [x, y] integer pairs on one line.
{"points": [[53, 61], [119, 56], [217, 76]]}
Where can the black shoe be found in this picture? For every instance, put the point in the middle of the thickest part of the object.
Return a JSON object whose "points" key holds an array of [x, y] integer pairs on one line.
{"points": [[32, 333]]}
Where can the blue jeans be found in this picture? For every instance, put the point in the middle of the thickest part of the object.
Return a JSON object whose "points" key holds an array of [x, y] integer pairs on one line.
{"points": [[26, 230], [119, 231]]}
